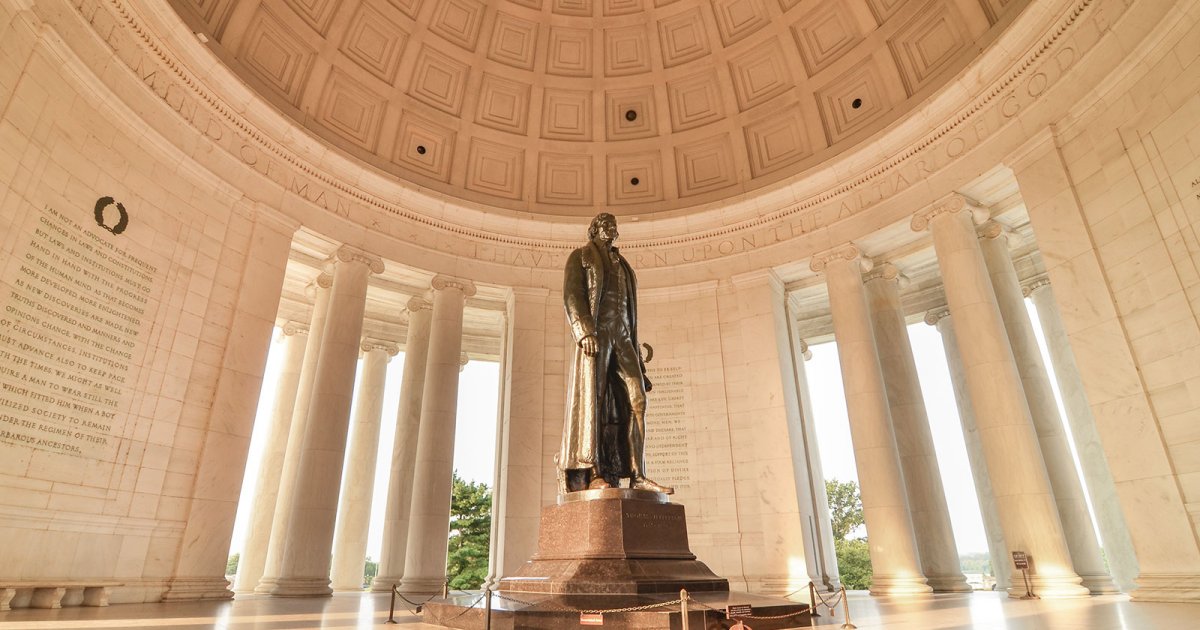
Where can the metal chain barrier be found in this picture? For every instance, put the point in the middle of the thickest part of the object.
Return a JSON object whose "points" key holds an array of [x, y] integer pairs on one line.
{"points": [[416, 606], [461, 613]]}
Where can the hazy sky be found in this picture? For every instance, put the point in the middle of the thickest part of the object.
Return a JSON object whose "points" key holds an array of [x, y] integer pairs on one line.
{"points": [[475, 446]]}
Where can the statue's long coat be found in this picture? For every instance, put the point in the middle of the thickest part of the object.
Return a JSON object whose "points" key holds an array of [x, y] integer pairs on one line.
{"points": [[583, 284]]}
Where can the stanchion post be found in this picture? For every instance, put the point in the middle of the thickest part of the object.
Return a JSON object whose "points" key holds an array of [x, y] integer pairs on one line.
{"points": [[392, 607], [846, 609], [812, 600], [487, 618], [683, 609]]}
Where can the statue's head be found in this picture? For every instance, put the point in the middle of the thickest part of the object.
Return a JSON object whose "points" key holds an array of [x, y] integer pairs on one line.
{"points": [[604, 226]]}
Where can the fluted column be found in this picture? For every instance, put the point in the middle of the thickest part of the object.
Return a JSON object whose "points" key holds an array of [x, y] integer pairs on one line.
{"points": [[280, 525], [358, 480], [518, 497], [1052, 436], [429, 528], [258, 534], [895, 562], [304, 567], [404, 447], [997, 549], [1118, 547], [914, 439], [814, 502], [1024, 498]]}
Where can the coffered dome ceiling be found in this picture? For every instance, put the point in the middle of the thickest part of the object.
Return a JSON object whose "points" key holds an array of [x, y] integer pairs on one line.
{"points": [[559, 106]]}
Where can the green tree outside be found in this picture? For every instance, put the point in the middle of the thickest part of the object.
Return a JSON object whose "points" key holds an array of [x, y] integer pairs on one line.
{"points": [[232, 565], [853, 554], [470, 533]]}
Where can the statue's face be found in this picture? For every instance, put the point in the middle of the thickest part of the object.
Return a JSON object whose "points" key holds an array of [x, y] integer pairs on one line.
{"points": [[606, 229]]}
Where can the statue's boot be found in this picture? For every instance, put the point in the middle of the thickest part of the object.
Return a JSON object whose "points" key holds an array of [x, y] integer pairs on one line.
{"points": [[598, 483], [644, 483]]}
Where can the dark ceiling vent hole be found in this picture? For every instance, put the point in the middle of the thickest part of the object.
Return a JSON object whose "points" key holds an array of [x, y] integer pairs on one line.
{"points": [[420, 149], [631, 115], [635, 181], [856, 103]]}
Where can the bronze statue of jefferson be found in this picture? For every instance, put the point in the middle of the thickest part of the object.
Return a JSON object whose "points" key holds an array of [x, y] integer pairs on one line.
{"points": [[605, 433]]}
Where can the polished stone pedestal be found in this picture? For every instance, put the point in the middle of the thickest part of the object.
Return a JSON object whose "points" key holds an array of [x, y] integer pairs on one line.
{"points": [[613, 541], [610, 550]]}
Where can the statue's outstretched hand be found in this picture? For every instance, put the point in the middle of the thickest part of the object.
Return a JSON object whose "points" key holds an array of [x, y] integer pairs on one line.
{"points": [[647, 383], [588, 345]]}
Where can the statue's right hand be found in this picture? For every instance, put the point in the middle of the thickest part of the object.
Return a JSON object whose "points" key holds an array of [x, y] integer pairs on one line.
{"points": [[588, 345]]}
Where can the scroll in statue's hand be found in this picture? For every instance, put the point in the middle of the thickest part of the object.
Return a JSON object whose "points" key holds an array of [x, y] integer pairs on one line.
{"points": [[588, 345]]}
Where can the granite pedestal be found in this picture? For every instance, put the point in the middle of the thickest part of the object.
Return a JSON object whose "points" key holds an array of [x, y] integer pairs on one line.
{"points": [[606, 550]]}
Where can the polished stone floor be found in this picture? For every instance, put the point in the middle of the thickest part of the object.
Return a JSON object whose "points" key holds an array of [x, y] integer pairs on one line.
{"points": [[986, 611]]}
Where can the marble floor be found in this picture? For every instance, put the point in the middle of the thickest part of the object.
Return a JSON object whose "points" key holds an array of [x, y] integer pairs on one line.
{"points": [[985, 611]]}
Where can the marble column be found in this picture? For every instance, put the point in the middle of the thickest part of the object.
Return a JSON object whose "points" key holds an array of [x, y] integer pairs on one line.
{"points": [[1137, 434], [517, 504], [429, 525], [1052, 436], [358, 478], [305, 563], [280, 525], [203, 549], [1024, 498], [997, 549], [914, 439], [1118, 548], [820, 556], [258, 534], [404, 447], [895, 562]]}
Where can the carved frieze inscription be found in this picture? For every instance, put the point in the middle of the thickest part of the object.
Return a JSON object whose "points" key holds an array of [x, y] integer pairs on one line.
{"points": [[71, 312], [668, 424]]}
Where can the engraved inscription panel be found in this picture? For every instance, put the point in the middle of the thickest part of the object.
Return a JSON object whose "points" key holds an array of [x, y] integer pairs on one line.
{"points": [[70, 320], [668, 422]]}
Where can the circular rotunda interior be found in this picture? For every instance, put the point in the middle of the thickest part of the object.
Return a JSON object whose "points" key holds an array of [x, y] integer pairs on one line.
{"points": [[183, 182]]}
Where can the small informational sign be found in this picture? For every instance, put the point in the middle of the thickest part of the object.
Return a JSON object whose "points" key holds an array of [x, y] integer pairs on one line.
{"points": [[1020, 560], [734, 611], [591, 619]]}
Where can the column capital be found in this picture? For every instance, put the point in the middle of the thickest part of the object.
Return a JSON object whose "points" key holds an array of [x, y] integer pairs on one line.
{"points": [[374, 344], [949, 204], [935, 315], [294, 328], [885, 271], [804, 351], [346, 253], [441, 283], [848, 251], [323, 280], [418, 304], [463, 359], [992, 230], [1033, 285]]}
